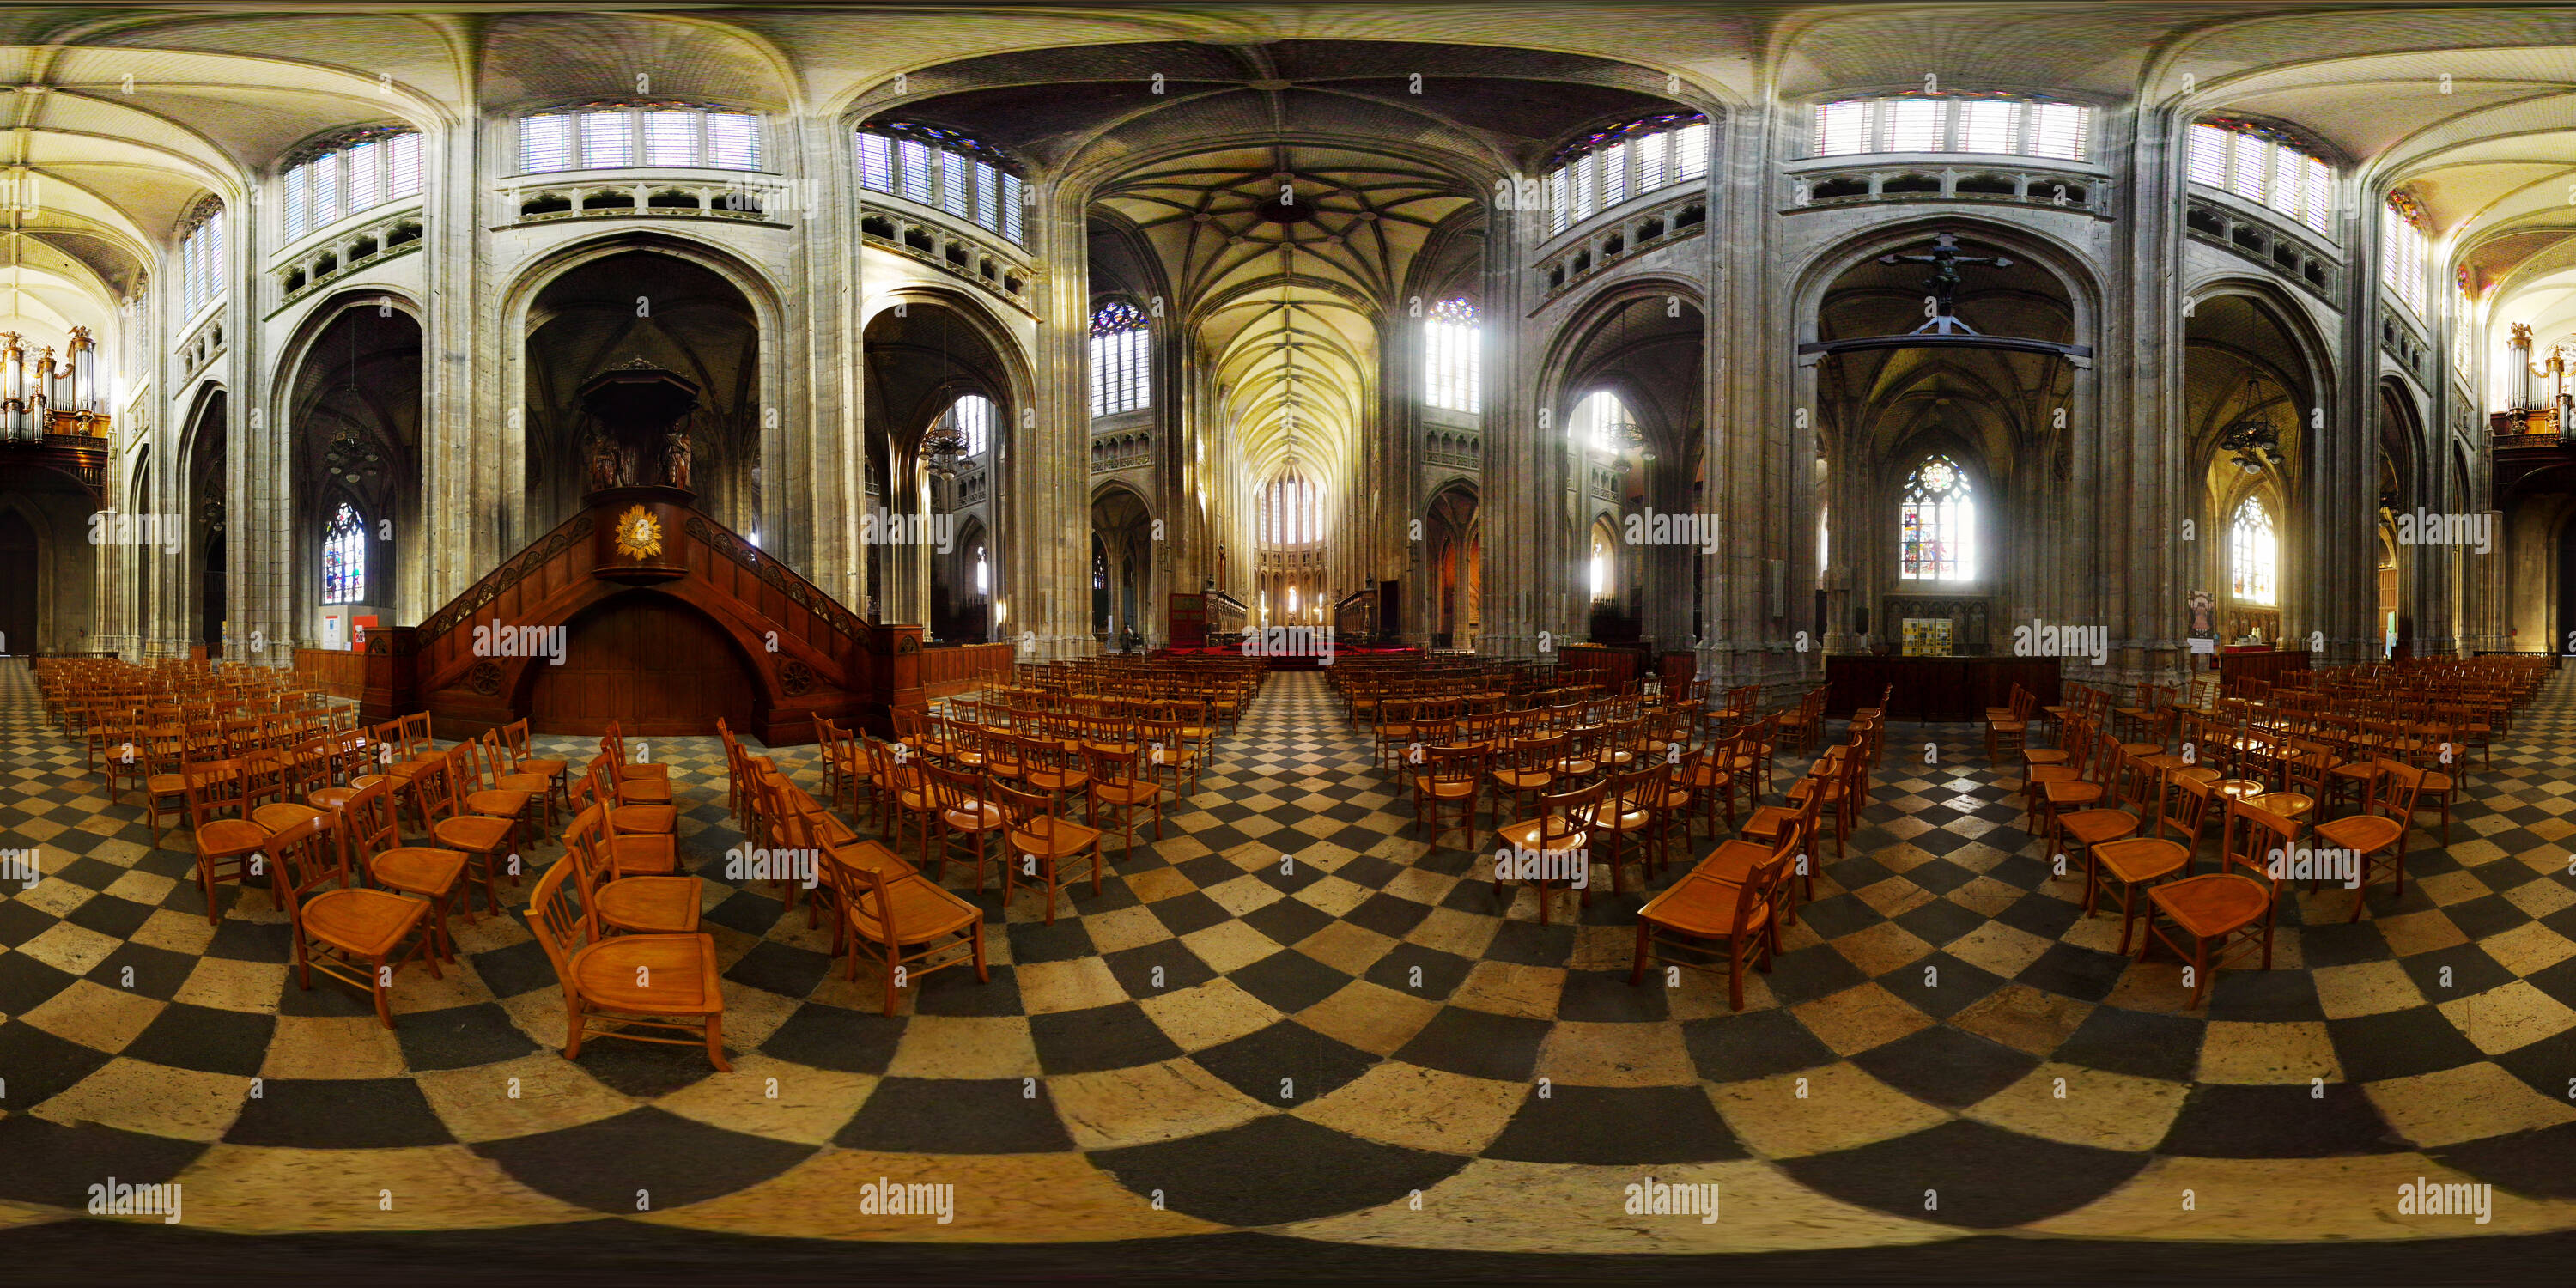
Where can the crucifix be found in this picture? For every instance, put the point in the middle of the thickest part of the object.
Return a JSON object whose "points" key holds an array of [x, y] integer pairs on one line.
{"points": [[1943, 285]]}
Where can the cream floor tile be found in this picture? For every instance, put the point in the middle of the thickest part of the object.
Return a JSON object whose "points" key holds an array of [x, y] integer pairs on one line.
{"points": [[153, 1100], [1215, 1012], [2284, 1200], [2365, 988], [177, 932], [75, 950], [1418, 1108], [1230, 946], [1577, 1053], [1511, 988], [551, 1093], [2273, 1052], [1451, 930], [1074, 985], [965, 1046], [765, 1096], [1841, 1107], [2529, 948], [1113, 1108], [94, 1015], [246, 1190], [332, 1046], [1244, 894], [2471, 1102], [1125, 928], [997, 1198], [2004, 950], [2024, 1018], [1860, 1018], [1345, 947], [2509, 1017], [1486, 1205], [1369, 1016], [2080, 1106]]}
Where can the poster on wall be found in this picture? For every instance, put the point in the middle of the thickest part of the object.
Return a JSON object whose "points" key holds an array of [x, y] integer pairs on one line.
{"points": [[358, 628], [331, 631], [1927, 637]]}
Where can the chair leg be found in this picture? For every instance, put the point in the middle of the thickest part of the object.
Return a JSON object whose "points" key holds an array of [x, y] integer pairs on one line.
{"points": [[715, 1043]]}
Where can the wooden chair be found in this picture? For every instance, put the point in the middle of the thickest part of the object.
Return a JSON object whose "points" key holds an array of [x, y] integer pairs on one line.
{"points": [[557, 773], [631, 986], [499, 772], [1557, 837], [351, 933], [2132, 864], [482, 838], [1633, 804], [630, 809], [1697, 910], [960, 802], [2088, 828], [1043, 843], [1447, 778], [903, 792], [372, 835], [1114, 786], [228, 849], [2227, 913], [1169, 748], [651, 904], [912, 925], [613, 743], [2368, 835]]}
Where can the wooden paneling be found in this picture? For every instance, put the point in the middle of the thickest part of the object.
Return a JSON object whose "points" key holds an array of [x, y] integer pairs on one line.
{"points": [[1936, 688], [961, 667], [2267, 665], [657, 667], [336, 672], [1611, 668]]}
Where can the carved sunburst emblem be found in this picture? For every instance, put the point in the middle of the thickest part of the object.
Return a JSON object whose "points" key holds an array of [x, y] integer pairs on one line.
{"points": [[639, 534]]}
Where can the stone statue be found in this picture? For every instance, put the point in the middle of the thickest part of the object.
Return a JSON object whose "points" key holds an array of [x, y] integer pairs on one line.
{"points": [[675, 460], [2200, 623], [606, 467]]}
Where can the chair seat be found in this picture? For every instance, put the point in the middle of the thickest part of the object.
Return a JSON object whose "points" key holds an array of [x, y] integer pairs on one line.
{"points": [[651, 819], [1447, 789], [923, 909], [2043, 756], [1048, 780], [1731, 861], [1531, 836], [416, 869], [1523, 780], [282, 815], [975, 816], [2045, 774], [531, 784], [1610, 818], [1769, 820], [1696, 905], [166, 784], [1574, 767], [1131, 792], [230, 836], [2072, 792], [647, 792], [2285, 804], [2212, 905], [678, 972], [498, 804], [479, 835], [1053, 838], [2363, 832], [2094, 826], [542, 767], [644, 854], [626, 772], [2437, 784], [368, 923], [2141, 859], [665, 905], [2143, 748]]}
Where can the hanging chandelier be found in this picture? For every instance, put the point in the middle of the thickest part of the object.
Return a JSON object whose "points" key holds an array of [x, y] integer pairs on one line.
{"points": [[2253, 439], [350, 458], [943, 449]]}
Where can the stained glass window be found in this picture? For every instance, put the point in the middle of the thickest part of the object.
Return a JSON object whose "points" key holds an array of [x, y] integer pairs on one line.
{"points": [[972, 415], [349, 173], [344, 557], [1937, 524], [2401, 249], [1607, 167], [2253, 554], [1450, 359], [1992, 124], [2264, 166], [1118, 350], [944, 169], [609, 135], [1288, 513]]}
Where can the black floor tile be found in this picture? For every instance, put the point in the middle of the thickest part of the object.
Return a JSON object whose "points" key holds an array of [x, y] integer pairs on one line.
{"points": [[646, 1160], [2290, 1120], [1119, 1036], [956, 1116], [1616, 1126], [1477, 1044]]}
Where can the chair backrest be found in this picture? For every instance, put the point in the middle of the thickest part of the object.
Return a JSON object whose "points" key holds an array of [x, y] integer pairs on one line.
{"points": [[2405, 783], [958, 789], [2183, 804], [562, 926], [368, 824], [1560, 813], [1019, 808], [306, 858], [433, 791], [1456, 764], [2249, 838], [465, 774], [1110, 766], [414, 734], [496, 760], [1764, 888]]}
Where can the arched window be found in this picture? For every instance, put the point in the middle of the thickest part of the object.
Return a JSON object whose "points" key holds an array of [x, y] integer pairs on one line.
{"points": [[344, 557], [350, 172], [1937, 524], [1606, 167], [1287, 510], [934, 166], [1988, 124], [983, 573], [1603, 422], [2264, 165], [1119, 381], [614, 135], [201, 257], [972, 417], [1452, 358], [2253, 554], [1601, 561], [2401, 249]]}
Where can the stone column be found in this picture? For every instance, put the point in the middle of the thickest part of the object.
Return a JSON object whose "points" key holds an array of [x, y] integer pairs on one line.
{"points": [[1522, 485]]}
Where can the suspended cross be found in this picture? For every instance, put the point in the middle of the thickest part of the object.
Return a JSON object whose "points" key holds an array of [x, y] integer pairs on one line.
{"points": [[1944, 282]]}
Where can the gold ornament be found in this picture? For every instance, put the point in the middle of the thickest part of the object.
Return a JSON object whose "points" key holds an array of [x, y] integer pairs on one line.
{"points": [[639, 534]]}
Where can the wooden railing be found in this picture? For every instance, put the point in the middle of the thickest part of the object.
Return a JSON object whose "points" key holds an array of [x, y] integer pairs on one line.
{"points": [[958, 668], [2267, 665], [340, 673]]}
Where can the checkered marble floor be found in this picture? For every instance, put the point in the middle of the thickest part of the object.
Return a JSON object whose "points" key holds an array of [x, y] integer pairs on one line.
{"points": [[1289, 1014]]}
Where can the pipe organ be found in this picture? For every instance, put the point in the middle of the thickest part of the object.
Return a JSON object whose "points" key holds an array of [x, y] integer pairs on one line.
{"points": [[41, 394]]}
